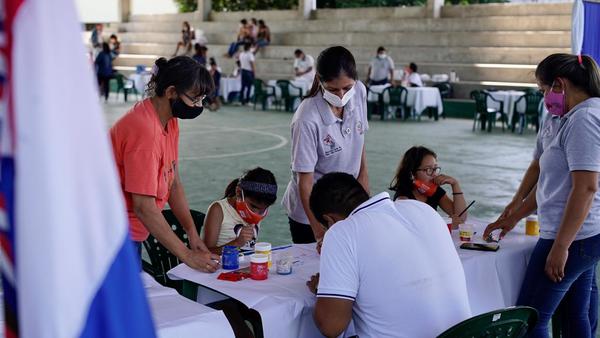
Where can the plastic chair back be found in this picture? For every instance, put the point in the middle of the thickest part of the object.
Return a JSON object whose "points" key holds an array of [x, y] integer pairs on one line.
{"points": [[284, 86], [480, 98], [512, 322], [160, 258], [397, 96]]}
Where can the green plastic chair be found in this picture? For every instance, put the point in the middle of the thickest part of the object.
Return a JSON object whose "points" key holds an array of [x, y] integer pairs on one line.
{"points": [[287, 98], [531, 113], [512, 322], [484, 114], [397, 101], [262, 93], [161, 260], [123, 84]]}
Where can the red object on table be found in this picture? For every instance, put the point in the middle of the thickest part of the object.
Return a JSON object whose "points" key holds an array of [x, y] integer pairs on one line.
{"points": [[233, 276]]}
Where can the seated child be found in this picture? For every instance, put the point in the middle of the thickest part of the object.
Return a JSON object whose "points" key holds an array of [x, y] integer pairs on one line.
{"points": [[235, 219]]}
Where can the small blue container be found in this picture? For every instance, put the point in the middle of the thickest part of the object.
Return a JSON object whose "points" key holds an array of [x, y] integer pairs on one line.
{"points": [[230, 258]]}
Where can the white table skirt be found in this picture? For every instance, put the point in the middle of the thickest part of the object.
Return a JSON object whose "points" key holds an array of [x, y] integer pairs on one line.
{"points": [[140, 81], [285, 303], [494, 278], [178, 317], [418, 98], [509, 97]]}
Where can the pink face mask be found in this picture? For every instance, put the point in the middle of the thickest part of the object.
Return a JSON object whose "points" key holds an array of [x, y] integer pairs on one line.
{"points": [[555, 102]]}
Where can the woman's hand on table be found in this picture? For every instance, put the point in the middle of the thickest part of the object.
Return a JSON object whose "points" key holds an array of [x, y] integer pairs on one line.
{"points": [[555, 263], [313, 283], [202, 261], [505, 224]]}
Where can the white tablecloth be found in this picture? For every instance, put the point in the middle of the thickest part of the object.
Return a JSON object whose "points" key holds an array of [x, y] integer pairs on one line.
{"points": [[178, 317], [140, 81], [494, 278], [509, 97], [285, 303], [418, 98], [230, 84]]}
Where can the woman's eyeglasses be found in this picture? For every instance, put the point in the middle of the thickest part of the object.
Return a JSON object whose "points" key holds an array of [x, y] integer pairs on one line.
{"points": [[196, 101], [431, 170]]}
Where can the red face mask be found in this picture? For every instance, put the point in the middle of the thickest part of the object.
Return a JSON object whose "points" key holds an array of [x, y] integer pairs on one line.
{"points": [[248, 215], [427, 189]]}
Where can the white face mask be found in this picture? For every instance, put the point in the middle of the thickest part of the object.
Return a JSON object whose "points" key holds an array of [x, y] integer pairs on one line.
{"points": [[335, 100], [381, 56]]}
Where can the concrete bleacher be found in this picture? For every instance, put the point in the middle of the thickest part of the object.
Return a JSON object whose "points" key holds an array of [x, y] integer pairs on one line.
{"points": [[491, 45]]}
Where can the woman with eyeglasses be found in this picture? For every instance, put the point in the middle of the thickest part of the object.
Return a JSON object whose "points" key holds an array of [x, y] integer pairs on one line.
{"points": [[328, 135], [419, 178], [145, 144]]}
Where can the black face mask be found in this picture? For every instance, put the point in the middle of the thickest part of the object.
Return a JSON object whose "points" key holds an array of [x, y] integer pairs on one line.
{"points": [[181, 110]]}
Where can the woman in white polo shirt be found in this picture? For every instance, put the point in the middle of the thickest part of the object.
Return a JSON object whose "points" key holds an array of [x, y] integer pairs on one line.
{"points": [[566, 168], [328, 135]]}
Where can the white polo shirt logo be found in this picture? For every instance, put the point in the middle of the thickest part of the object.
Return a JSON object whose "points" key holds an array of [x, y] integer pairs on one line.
{"points": [[331, 147], [359, 128]]}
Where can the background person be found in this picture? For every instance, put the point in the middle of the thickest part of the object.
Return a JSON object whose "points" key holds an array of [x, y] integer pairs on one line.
{"points": [[187, 36], [248, 68], [328, 135], [381, 69], [263, 38], [146, 147], [411, 76], [115, 46], [304, 66], [104, 70]]}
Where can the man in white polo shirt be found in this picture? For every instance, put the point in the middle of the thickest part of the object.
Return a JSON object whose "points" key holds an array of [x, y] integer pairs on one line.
{"points": [[392, 267], [304, 66]]}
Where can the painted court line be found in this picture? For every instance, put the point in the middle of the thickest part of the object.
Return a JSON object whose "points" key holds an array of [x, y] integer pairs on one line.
{"points": [[282, 143]]}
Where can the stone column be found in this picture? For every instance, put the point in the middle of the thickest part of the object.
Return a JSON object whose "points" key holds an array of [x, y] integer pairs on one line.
{"points": [[306, 7], [124, 10], [434, 8], [204, 9]]}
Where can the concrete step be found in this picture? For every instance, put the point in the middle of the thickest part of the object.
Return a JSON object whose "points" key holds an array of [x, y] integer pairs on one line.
{"points": [[510, 55], [461, 89], [370, 13], [506, 9], [269, 15], [456, 39], [475, 24], [175, 18], [467, 72], [408, 40]]}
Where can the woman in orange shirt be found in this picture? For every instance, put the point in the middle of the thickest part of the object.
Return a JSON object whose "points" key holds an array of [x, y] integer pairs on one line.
{"points": [[145, 143]]}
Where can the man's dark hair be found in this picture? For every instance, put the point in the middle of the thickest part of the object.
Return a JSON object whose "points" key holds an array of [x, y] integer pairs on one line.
{"points": [[336, 193], [380, 49], [413, 67], [297, 52]]}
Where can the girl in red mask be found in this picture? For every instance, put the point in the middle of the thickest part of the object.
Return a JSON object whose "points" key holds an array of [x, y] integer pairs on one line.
{"points": [[235, 219], [419, 178]]}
